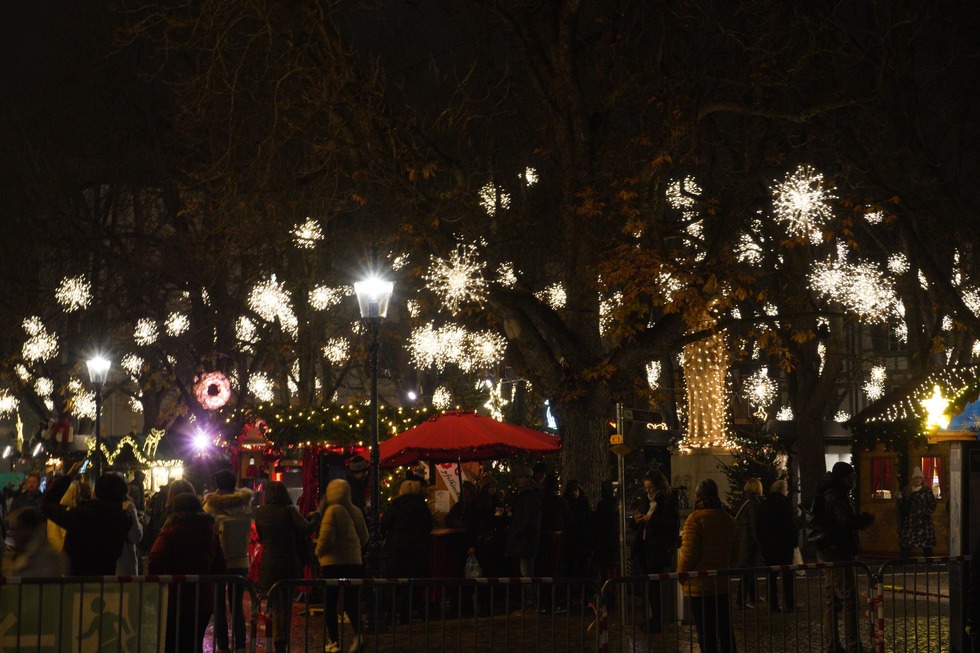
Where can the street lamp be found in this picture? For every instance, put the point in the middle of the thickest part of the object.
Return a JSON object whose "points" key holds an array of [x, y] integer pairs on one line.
{"points": [[98, 372], [372, 298]]}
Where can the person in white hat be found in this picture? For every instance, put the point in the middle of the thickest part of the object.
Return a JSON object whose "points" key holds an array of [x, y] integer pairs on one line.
{"points": [[915, 508]]}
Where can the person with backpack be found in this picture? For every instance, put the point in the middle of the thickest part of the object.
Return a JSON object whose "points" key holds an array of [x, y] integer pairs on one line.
{"points": [[833, 527], [232, 511]]}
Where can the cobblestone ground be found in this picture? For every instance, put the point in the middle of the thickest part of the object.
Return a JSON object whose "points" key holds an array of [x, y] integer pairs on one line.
{"points": [[915, 610]]}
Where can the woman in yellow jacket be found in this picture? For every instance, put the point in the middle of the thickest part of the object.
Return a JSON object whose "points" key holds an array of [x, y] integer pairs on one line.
{"points": [[708, 542]]}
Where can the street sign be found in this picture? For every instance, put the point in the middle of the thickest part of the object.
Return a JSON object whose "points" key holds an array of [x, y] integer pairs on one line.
{"points": [[615, 438]]}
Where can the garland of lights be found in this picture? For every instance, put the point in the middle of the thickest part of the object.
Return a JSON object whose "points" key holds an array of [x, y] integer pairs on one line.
{"points": [[144, 454], [705, 371]]}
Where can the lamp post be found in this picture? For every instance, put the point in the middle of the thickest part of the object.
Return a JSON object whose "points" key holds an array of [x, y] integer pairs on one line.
{"points": [[98, 371], [372, 299]]}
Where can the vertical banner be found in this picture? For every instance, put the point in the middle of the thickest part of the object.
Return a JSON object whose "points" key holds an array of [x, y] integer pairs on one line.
{"points": [[450, 476]]}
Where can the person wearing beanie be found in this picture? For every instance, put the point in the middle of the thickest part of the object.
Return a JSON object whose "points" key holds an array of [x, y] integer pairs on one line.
{"points": [[841, 524], [95, 530], [915, 507], [231, 508]]}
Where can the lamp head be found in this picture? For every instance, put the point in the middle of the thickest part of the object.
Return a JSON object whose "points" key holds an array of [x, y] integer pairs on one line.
{"points": [[372, 297], [98, 369]]}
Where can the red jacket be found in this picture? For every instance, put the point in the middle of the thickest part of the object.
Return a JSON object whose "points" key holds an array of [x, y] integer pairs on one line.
{"points": [[188, 544]]}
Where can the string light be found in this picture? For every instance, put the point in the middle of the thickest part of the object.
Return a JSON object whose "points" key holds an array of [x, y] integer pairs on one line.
{"points": [[506, 276], [860, 287], [74, 293], [336, 350], [261, 387], [271, 301], [607, 309], [554, 296], [874, 217], [133, 365], [491, 197], [874, 387], [442, 398], [784, 414], [683, 195], [8, 403], [530, 176], [22, 372], [81, 402], [177, 323], [705, 369], [653, 374], [324, 297]]}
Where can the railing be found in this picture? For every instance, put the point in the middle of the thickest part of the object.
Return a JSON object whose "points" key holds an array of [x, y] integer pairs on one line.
{"points": [[912, 605]]}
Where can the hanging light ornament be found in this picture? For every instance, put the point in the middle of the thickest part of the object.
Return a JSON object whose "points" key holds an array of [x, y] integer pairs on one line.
{"points": [[801, 202], [74, 293], [307, 234], [176, 324], [271, 301], [40, 345], [213, 390], [459, 278], [146, 332], [760, 391]]}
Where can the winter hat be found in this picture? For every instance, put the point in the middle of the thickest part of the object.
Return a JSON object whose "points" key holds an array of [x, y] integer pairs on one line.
{"points": [[111, 488], [358, 464], [917, 473], [225, 480]]}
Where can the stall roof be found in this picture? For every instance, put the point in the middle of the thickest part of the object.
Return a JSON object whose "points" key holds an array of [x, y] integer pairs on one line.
{"points": [[958, 384]]}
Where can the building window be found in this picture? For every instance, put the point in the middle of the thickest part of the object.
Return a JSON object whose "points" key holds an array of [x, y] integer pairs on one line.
{"points": [[932, 473], [882, 477]]}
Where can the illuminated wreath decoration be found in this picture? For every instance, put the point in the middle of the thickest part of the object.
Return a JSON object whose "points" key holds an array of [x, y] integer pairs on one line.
{"points": [[213, 390]]}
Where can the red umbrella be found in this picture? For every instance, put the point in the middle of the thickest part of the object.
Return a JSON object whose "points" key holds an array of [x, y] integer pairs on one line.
{"points": [[459, 436]]}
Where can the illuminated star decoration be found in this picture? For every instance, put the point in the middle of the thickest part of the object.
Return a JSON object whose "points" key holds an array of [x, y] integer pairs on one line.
{"points": [[874, 387], [459, 278], [802, 203], [176, 324], [935, 407], [145, 333], [40, 345], [271, 301], [497, 402], [213, 390], [74, 293], [760, 391], [307, 234]]}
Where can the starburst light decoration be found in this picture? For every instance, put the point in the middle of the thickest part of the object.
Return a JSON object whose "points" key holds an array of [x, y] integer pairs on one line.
{"points": [[802, 203], [41, 345], [976, 348], [337, 350], [22, 372], [8, 403], [324, 297], [398, 261], [554, 296], [459, 278], [212, 390], [307, 234], [261, 387], [414, 307], [44, 387], [506, 276], [436, 347], [442, 398], [530, 176], [74, 293], [874, 387], [246, 331], [81, 401], [898, 263], [133, 365], [136, 404], [785, 414], [146, 332], [748, 251], [653, 369], [860, 287], [760, 391], [271, 301], [491, 197], [176, 324]]}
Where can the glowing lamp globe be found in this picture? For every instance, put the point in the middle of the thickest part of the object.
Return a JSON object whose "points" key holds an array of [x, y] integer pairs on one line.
{"points": [[98, 369], [372, 297], [201, 441]]}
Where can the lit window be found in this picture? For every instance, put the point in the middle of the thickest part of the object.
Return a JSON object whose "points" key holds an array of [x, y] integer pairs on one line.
{"points": [[882, 477], [931, 473]]}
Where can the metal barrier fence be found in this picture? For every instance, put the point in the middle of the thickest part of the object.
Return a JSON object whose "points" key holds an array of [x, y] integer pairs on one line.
{"points": [[118, 614], [480, 615], [907, 606]]}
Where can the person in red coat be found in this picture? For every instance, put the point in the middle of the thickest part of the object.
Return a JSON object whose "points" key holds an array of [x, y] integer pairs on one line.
{"points": [[187, 544]]}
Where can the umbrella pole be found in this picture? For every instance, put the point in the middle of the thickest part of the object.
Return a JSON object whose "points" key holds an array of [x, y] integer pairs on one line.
{"points": [[459, 475]]}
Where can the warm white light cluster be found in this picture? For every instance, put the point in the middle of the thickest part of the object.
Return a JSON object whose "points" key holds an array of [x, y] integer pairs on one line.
{"points": [[44, 387], [492, 197], [802, 203], [398, 261], [22, 372], [458, 279], [785, 414], [436, 347], [874, 387], [41, 345], [133, 365], [74, 293], [246, 331], [324, 297], [747, 250], [261, 387], [307, 234], [336, 350], [271, 301], [898, 263], [8, 403], [136, 404], [176, 324], [976, 349], [683, 194], [414, 307], [653, 374], [841, 417], [860, 287], [530, 176], [506, 276], [705, 369], [874, 217], [81, 399], [442, 398], [497, 402], [760, 391], [146, 332], [670, 284], [607, 308], [554, 296]]}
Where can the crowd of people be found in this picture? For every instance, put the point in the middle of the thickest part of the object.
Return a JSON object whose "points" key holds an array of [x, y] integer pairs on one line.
{"points": [[70, 529]]}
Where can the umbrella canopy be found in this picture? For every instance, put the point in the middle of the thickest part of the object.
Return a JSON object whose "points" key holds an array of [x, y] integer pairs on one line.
{"points": [[459, 435]]}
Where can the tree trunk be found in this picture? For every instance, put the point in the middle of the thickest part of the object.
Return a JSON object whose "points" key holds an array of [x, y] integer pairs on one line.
{"points": [[584, 429]]}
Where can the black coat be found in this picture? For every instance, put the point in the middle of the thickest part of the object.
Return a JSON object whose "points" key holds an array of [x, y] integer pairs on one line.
{"points": [[777, 531], [524, 530], [841, 523], [661, 532], [406, 525], [95, 530]]}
